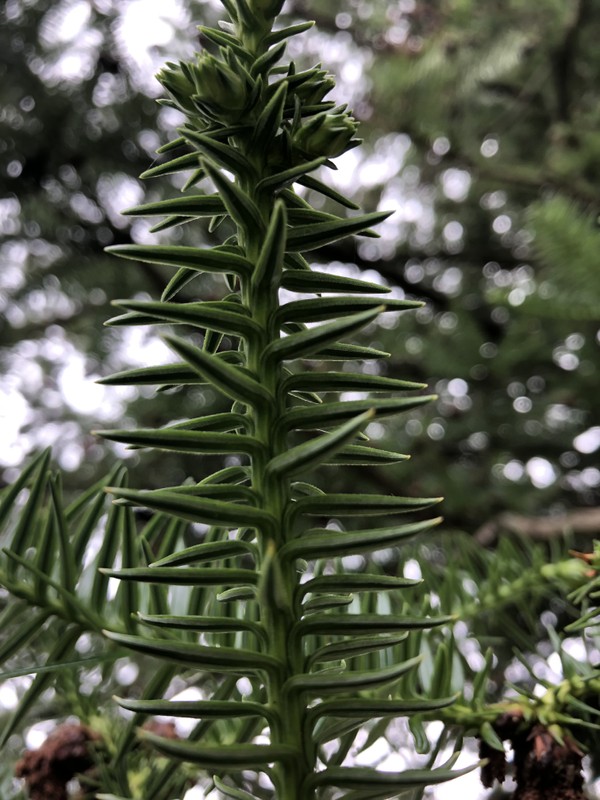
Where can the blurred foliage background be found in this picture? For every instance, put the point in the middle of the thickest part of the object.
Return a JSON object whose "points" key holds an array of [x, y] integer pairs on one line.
{"points": [[481, 130]]}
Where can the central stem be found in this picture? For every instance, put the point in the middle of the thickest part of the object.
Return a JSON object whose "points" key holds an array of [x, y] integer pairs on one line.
{"points": [[276, 601], [279, 581]]}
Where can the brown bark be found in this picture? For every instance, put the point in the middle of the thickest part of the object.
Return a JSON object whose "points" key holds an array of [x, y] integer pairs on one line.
{"points": [[65, 754]]}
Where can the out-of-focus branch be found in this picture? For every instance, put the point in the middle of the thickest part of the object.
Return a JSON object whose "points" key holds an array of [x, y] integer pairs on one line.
{"points": [[583, 521], [564, 60]]}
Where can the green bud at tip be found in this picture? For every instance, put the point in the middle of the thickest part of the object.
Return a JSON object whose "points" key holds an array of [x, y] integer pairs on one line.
{"points": [[326, 134], [219, 87], [179, 86], [268, 8], [209, 86]]}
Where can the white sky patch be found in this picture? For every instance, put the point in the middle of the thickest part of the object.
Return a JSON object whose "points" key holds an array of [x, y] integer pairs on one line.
{"points": [[513, 471], [375, 170], [196, 793], [145, 21], [456, 184], [37, 734], [541, 472], [117, 192], [345, 177], [9, 698], [144, 349], [352, 71], [555, 665], [144, 30], [65, 22], [14, 413], [373, 754], [458, 387], [588, 441], [412, 570], [575, 647], [10, 208], [79, 390], [468, 786]]}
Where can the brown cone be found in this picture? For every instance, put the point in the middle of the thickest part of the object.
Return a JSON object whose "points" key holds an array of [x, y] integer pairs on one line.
{"points": [[64, 754]]}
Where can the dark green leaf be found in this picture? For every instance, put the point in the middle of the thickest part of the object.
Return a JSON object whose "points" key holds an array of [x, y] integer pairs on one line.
{"points": [[198, 205], [67, 556], [113, 533], [178, 282], [304, 456], [32, 513], [322, 416], [312, 340], [326, 190], [270, 118], [225, 421], [369, 708], [37, 467], [231, 791], [360, 624], [262, 65], [490, 737], [203, 624], [158, 594], [198, 509], [336, 682], [44, 556], [352, 648], [127, 597], [270, 260], [170, 222], [285, 33], [295, 280], [222, 38], [24, 632], [360, 582], [327, 544], [345, 352], [290, 175], [196, 709], [94, 502], [224, 757], [311, 237], [171, 145], [179, 164], [208, 551], [346, 382], [218, 316], [182, 441], [327, 601], [229, 379], [436, 672], [239, 593], [166, 375], [241, 208], [335, 505], [222, 154], [322, 309], [360, 455], [201, 260], [197, 655], [74, 609], [370, 779]]}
